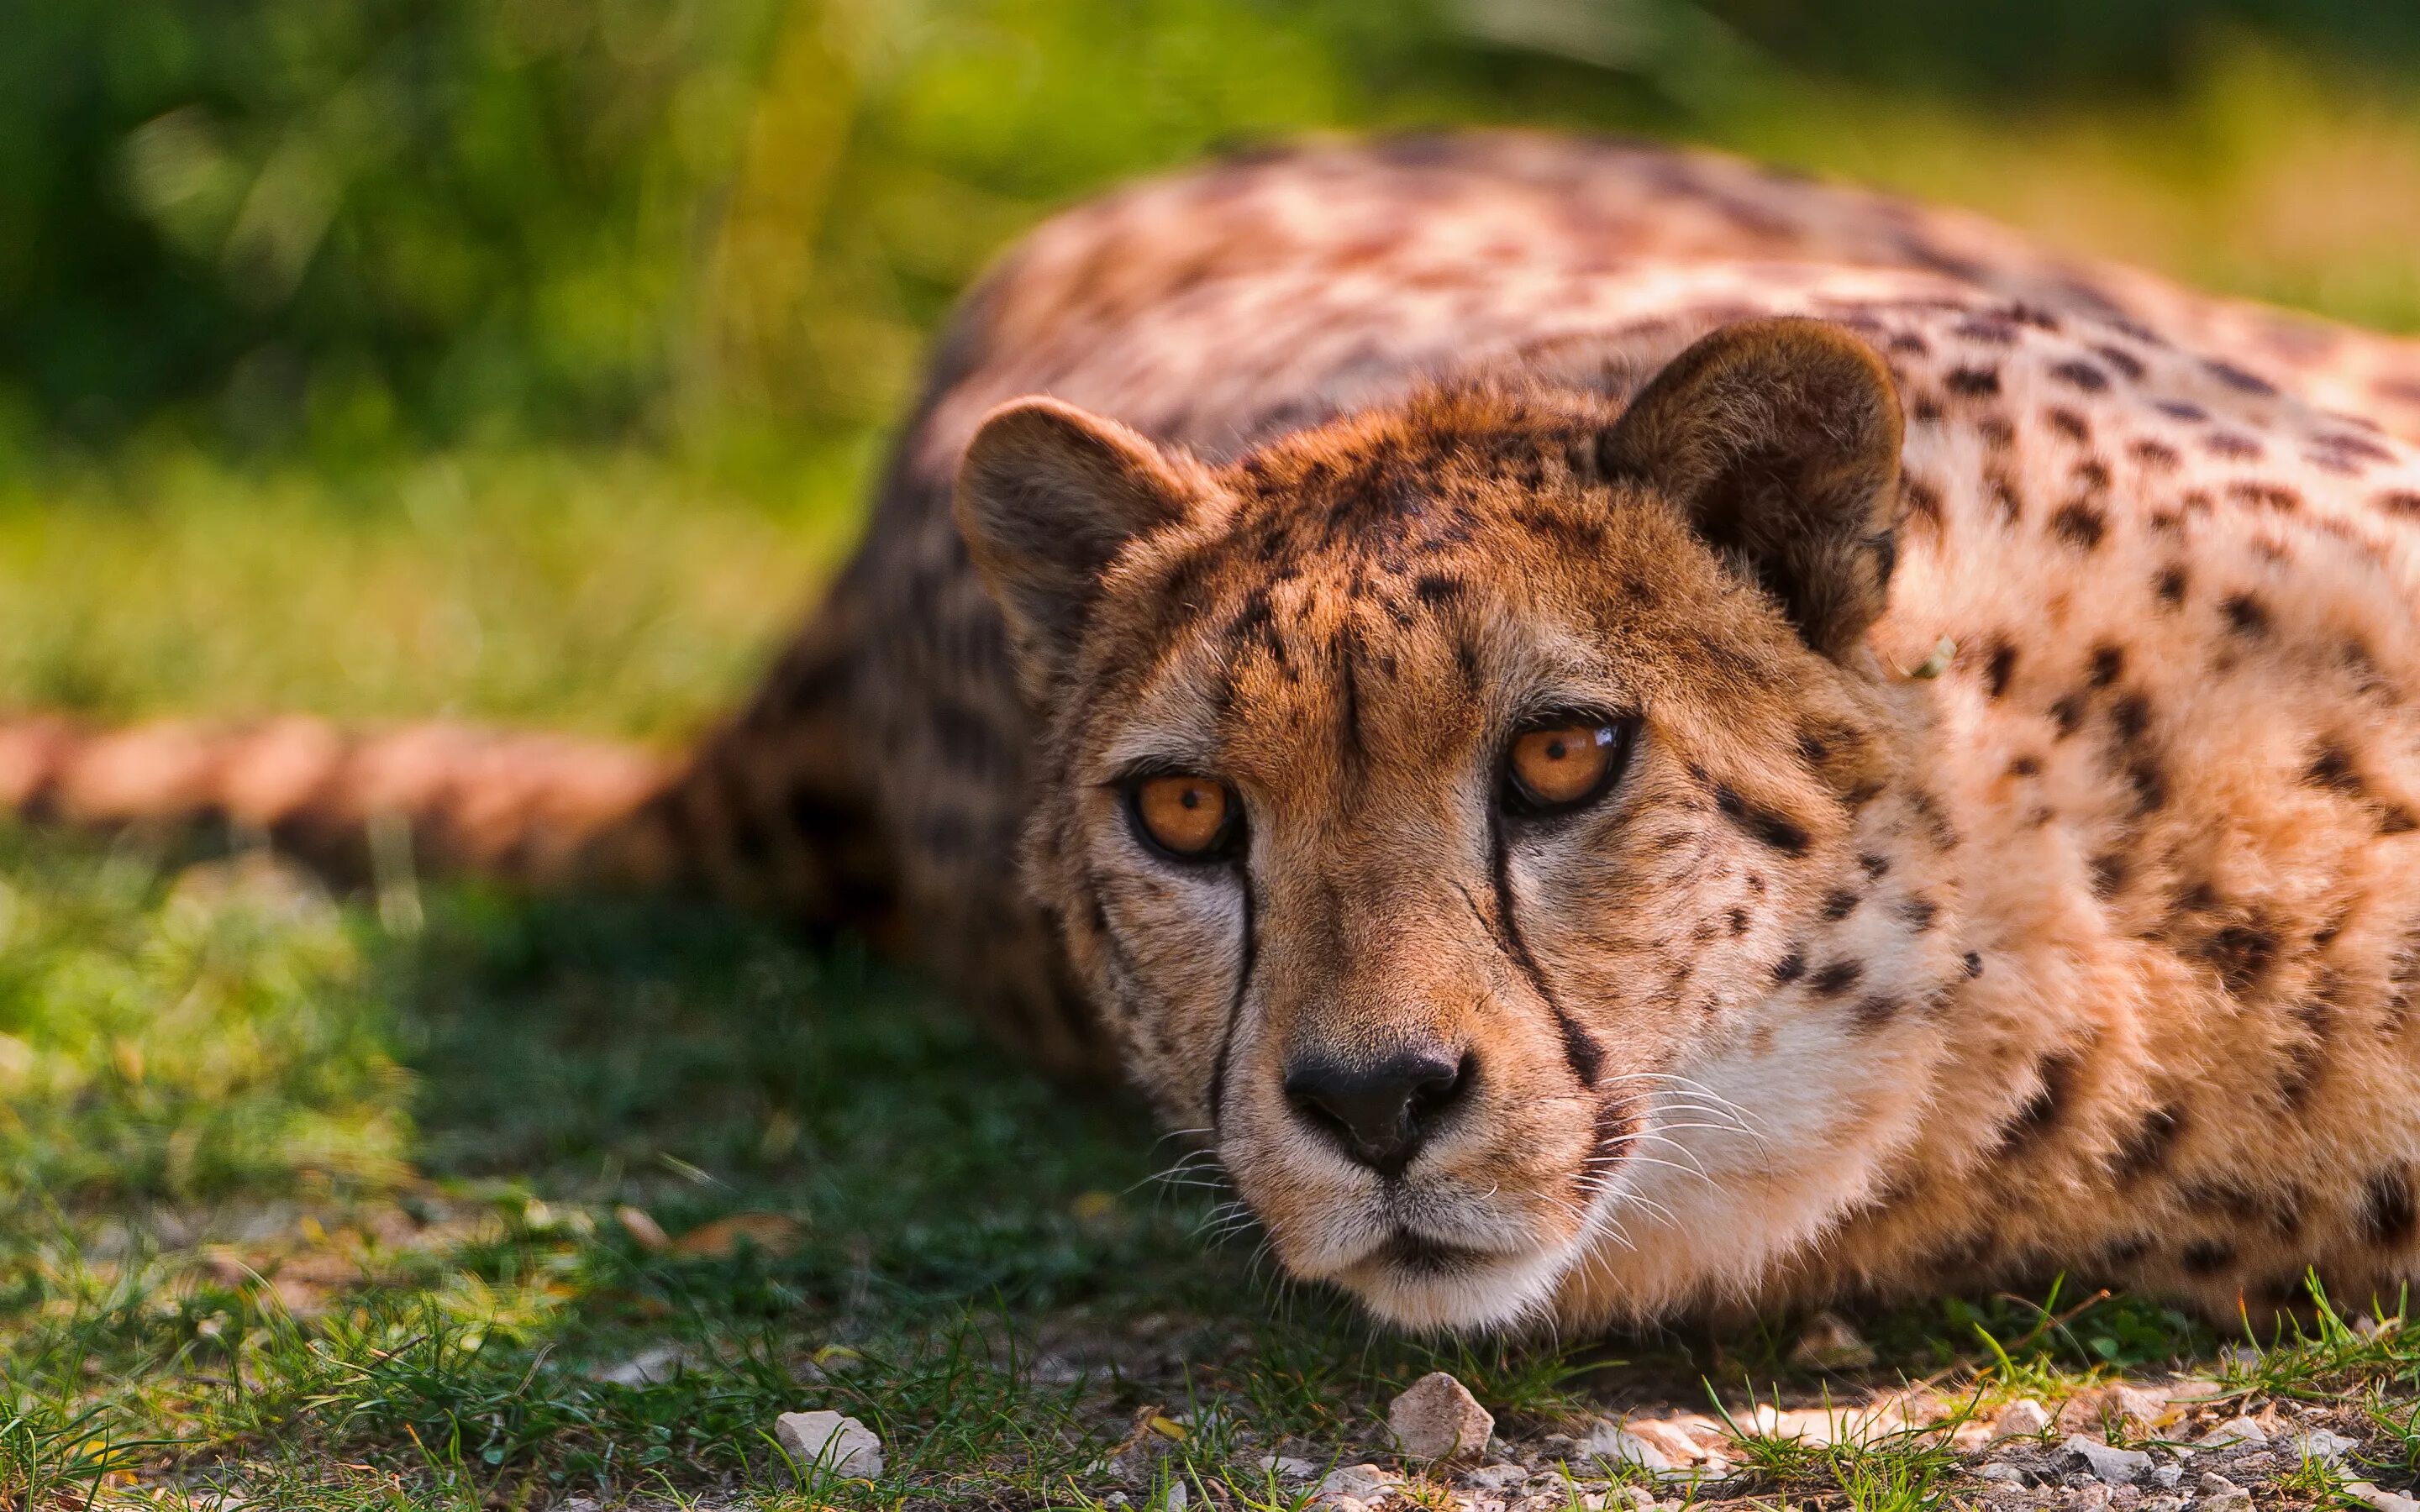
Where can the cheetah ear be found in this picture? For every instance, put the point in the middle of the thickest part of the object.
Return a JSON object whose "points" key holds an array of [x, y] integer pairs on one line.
{"points": [[1046, 496], [1779, 440]]}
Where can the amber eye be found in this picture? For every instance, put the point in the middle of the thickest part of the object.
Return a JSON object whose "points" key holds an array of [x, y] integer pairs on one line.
{"points": [[1191, 818], [1560, 764]]}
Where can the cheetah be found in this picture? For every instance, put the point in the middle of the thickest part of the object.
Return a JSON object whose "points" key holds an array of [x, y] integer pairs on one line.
{"points": [[1622, 735]]}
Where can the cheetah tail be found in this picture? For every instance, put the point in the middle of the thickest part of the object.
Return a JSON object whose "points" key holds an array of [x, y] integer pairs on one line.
{"points": [[360, 806]]}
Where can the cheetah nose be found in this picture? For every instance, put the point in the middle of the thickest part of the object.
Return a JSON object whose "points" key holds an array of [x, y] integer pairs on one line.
{"points": [[1380, 1111]]}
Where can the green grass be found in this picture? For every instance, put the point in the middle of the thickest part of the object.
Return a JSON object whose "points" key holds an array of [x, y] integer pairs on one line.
{"points": [[345, 1218]]}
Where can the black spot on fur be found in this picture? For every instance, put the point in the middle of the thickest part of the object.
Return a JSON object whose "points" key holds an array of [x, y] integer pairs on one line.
{"points": [[2126, 1251], [2331, 767], [2170, 585], [1876, 1009], [2150, 786], [2125, 362], [1923, 500], [2306, 1056], [2207, 1257], [2082, 375], [1839, 905], [2080, 525], [2386, 1210], [1837, 978], [2275, 496], [2040, 1113], [2245, 615], [1974, 964], [2130, 717], [2146, 1150], [2241, 954], [2107, 662], [2159, 457], [1782, 834], [1789, 968], [2006, 501], [1998, 667], [1974, 382], [1920, 913], [2238, 379]]}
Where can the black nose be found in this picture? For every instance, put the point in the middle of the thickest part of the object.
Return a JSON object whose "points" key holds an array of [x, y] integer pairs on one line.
{"points": [[1381, 1111]]}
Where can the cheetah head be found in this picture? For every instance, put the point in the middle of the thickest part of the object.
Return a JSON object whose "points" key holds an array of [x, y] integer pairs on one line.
{"points": [[1426, 797]]}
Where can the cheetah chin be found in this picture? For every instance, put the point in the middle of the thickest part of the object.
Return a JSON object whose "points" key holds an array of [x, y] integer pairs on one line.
{"points": [[1419, 1284]]}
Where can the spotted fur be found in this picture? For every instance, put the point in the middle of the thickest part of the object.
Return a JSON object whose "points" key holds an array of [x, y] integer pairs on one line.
{"points": [[2095, 950]]}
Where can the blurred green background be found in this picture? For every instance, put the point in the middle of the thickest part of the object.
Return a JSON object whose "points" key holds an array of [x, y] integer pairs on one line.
{"points": [[525, 358]]}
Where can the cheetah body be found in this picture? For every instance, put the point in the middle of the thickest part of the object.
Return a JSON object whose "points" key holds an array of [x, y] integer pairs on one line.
{"points": [[2061, 919]]}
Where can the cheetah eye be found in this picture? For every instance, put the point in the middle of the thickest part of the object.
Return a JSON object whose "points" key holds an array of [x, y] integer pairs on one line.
{"points": [[1185, 817], [1564, 761]]}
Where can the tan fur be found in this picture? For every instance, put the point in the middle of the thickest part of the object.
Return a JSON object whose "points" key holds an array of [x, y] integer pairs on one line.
{"points": [[2095, 952]]}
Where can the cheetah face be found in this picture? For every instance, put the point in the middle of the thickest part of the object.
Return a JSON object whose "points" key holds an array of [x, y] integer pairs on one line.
{"points": [[1425, 795]]}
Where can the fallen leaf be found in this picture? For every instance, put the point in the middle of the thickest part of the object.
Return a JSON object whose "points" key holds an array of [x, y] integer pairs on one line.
{"points": [[768, 1231]]}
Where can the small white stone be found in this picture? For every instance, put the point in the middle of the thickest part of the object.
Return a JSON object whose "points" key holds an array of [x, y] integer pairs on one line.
{"points": [[2168, 1476], [1669, 1439], [1828, 1343], [2234, 1431], [1812, 1425], [829, 1443], [1286, 1467], [2321, 1444], [2002, 1473], [2139, 1409], [1497, 1477], [1360, 1483], [1437, 1418], [1178, 1497], [2379, 1497], [2021, 1419], [2117, 1466], [1613, 1441], [649, 1368]]}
